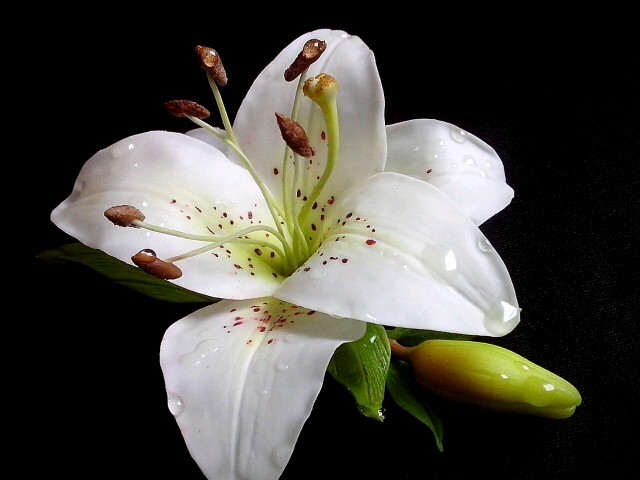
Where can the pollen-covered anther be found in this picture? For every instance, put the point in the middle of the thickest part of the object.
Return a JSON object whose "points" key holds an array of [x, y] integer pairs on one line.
{"points": [[321, 89], [147, 261], [186, 108], [124, 215], [311, 51], [295, 136], [210, 62]]}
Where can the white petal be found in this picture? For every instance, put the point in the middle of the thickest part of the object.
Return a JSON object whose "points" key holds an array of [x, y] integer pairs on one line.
{"points": [[400, 253], [461, 165], [207, 137], [178, 183], [242, 378], [360, 109]]}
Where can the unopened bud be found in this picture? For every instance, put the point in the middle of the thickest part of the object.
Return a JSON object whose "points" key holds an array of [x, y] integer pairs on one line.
{"points": [[489, 376], [186, 108], [311, 51], [124, 215], [210, 62], [147, 261], [295, 136], [322, 89]]}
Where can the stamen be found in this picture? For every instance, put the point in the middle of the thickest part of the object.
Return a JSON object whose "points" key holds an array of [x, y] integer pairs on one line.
{"points": [[186, 108], [311, 51], [295, 136], [124, 215], [210, 61], [147, 261]]}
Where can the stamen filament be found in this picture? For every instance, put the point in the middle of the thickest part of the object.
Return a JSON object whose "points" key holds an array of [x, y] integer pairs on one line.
{"points": [[173, 233], [223, 111], [214, 245], [288, 188], [276, 213]]}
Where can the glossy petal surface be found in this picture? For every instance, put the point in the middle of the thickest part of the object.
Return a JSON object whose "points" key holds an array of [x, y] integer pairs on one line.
{"points": [[461, 165], [242, 378], [182, 184], [400, 253]]}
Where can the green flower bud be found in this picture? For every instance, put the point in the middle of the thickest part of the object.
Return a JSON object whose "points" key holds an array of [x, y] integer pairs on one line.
{"points": [[489, 376]]}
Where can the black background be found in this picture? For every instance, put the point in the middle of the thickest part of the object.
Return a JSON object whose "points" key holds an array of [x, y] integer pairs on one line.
{"points": [[559, 103]]}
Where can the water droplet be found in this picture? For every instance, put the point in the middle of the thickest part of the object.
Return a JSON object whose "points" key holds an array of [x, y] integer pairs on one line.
{"points": [[441, 142], [371, 318], [121, 149], [441, 261], [264, 392], [504, 377], [416, 149], [488, 164], [203, 350], [291, 338], [458, 135], [538, 391], [373, 339], [469, 161], [485, 245], [280, 456], [502, 318], [145, 204], [282, 366], [175, 404]]}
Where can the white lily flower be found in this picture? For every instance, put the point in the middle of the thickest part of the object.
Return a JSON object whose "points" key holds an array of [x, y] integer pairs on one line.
{"points": [[303, 250]]}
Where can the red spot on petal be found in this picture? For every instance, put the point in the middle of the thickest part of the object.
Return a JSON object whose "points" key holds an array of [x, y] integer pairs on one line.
{"points": [[237, 323], [430, 170], [370, 242], [250, 215], [345, 260], [323, 135], [262, 329], [276, 171], [311, 312], [237, 266]]}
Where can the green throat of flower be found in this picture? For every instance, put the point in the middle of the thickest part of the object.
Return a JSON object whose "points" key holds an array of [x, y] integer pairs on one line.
{"points": [[294, 237]]}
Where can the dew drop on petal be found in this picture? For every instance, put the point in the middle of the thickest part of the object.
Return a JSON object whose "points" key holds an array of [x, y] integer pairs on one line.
{"points": [[458, 135], [203, 350], [280, 456], [441, 262], [291, 338], [469, 161], [485, 245], [501, 318], [282, 366], [175, 404]]}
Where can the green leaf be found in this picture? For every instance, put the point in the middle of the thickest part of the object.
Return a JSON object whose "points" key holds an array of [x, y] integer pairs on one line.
{"points": [[410, 337], [122, 273], [361, 367], [401, 386]]}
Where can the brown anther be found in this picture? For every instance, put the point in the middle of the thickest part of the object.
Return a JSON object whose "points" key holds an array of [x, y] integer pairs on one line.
{"points": [[295, 136], [147, 261], [184, 108], [210, 62], [124, 215], [309, 54]]}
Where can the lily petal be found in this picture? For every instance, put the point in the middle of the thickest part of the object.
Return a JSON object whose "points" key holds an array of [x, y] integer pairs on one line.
{"points": [[400, 253], [360, 109], [461, 165], [206, 137], [182, 184], [242, 378]]}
